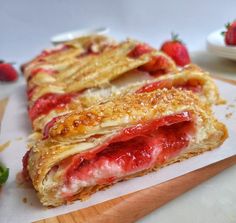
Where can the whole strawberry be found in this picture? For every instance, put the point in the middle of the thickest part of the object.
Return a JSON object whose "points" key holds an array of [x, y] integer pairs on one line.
{"points": [[230, 34], [7, 72], [176, 50]]}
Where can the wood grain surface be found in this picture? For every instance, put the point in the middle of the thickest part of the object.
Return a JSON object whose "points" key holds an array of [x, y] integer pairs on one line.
{"points": [[131, 207]]}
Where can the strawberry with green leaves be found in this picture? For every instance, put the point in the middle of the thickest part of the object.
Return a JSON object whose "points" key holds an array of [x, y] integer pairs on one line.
{"points": [[176, 50], [7, 72], [230, 34]]}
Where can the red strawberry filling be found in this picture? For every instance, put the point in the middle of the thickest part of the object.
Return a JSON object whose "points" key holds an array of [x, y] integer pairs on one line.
{"points": [[191, 85], [48, 102], [133, 150], [30, 92], [158, 65], [139, 50], [25, 161], [41, 70], [49, 125]]}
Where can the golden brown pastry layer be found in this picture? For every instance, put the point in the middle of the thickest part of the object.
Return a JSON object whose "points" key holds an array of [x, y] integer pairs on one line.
{"points": [[88, 125], [73, 133], [75, 74], [191, 76]]}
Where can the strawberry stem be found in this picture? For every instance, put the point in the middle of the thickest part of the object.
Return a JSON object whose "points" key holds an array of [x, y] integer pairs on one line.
{"points": [[175, 37], [227, 25], [222, 33]]}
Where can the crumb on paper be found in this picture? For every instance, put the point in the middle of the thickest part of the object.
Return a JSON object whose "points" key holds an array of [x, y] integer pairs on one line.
{"points": [[5, 145], [19, 138], [228, 115], [222, 101], [24, 200]]}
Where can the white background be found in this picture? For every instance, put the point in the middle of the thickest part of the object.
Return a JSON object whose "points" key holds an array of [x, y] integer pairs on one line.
{"points": [[27, 25]]}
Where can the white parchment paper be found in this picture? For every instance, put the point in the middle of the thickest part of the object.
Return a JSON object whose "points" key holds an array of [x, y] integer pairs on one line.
{"points": [[15, 124]]}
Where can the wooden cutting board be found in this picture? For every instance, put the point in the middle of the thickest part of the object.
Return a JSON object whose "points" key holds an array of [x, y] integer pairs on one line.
{"points": [[132, 207]]}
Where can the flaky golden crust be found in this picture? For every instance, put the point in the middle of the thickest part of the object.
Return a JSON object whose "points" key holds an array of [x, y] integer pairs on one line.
{"points": [[92, 71], [56, 70], [107, 66], [118, 112], [215, 140], [209, 93], [74, 75], [131, 107], [67, 138], [74, 48], [91, 121], [191, 73], [210, 90]]}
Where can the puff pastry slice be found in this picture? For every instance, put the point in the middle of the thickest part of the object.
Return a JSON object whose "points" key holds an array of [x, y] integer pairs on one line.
{"points": [[124, 137]]}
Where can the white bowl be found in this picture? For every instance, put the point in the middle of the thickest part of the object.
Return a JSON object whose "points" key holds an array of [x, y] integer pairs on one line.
{"points": [[66, 36], [216, 45]]}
